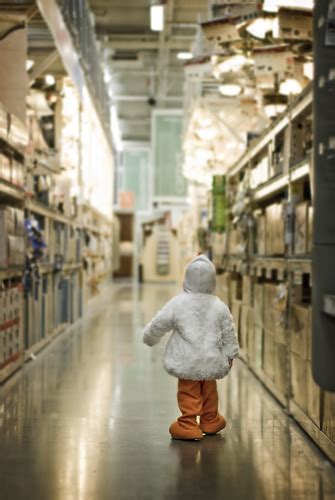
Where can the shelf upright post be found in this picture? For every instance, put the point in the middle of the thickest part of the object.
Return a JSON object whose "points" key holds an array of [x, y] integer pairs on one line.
{"points": [[324, 195]]}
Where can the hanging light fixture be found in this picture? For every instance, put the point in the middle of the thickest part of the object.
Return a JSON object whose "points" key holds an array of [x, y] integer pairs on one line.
{"points": [[29, 64], [291, 86], [260, 27], [230, 89], [184, 56], [157, 17], [49, 80]]}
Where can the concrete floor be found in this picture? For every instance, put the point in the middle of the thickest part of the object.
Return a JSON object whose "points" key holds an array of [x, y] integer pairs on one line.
{"points": [[88, 420]]}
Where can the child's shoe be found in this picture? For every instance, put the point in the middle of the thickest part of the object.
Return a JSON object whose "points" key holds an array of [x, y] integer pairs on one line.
{"points": [[185, 430], [214, 426]]}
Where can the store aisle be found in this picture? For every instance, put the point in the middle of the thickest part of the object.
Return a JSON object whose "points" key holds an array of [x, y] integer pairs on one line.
{"points": [[89, 420]]}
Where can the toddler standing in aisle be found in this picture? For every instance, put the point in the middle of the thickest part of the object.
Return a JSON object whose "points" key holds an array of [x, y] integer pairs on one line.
{"points": [[200, 350]]}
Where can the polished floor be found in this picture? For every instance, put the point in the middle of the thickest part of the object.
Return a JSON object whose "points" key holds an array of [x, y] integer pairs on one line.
{"points": [[89, 418]]}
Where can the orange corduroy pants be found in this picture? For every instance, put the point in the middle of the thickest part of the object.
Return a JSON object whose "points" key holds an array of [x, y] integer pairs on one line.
{"points": [[197, 398]]}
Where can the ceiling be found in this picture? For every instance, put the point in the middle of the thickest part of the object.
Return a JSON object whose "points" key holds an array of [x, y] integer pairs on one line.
{"points": [[142, 68]]}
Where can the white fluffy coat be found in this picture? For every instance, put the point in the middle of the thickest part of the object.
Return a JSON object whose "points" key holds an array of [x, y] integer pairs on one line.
{"points": [[203, 333]]}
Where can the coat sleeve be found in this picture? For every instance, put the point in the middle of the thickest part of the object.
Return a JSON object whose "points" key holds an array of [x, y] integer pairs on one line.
{"points": [[228, 332], [161, 323]]}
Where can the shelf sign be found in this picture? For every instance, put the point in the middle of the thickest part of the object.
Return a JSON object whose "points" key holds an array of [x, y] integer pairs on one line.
{"points": [[169, 181]]}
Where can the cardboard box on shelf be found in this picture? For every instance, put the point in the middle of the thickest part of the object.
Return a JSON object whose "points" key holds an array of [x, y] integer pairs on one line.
{"points": [[226, 277], [328, 425], [258, 346], [301, 228], [235, 286], [16, 250], [274, 312], [281, 367], [298, 380], [243, 337], [259, 304], [247, 290], [269, 355], [300, 330], [19, 222], [5, 168], [251, 335], [275, 230], [313, 397], [260, 243], [218, 241]]}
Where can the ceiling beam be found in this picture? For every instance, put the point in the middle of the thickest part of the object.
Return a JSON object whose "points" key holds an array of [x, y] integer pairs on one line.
{"points": [[136, 45], [144, 98]]}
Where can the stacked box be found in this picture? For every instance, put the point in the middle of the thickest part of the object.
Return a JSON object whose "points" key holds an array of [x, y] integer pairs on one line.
{"points": [[251, 336], [218, 247], [11, 241], [306, 393], [5, 168], [258, 316], [247, 290], [260, 236], [269, 356], [243, 330], [301, 228], [219, 286], [274, 313], [328, 424], [10, 324], [275, 230]]}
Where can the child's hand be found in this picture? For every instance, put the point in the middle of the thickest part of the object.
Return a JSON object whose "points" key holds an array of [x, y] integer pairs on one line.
{"points": [[230, 362]]}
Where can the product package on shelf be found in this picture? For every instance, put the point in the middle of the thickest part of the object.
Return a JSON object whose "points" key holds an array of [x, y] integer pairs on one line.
{"points": [[305, 391], [328, 425], [10, 324], [12, 240], [5, 168], [260, 233], [258, 318], [302, 228], [275, 229]]}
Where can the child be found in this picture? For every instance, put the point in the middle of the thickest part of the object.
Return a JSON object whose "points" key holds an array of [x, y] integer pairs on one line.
{"points": [[200, 350]]}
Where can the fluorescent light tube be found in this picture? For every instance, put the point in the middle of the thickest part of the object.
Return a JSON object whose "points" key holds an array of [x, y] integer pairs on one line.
{"points": [[156, 17]]}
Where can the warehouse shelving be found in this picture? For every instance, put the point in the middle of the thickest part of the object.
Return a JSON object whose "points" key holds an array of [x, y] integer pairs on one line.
{"points": [[286, 185], [46, 326]]}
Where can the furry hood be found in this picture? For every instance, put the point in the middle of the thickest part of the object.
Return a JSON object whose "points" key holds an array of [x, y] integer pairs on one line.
{"points": [[200, 276]]}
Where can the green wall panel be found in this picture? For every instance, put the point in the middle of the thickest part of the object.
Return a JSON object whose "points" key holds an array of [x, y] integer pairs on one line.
{"points": [[136, 163], [167, 155]]}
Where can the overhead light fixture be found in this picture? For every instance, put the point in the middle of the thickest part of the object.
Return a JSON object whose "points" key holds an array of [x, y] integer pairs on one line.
{"points": [[273, 110], [29, 64], [207, 133], [157, 17], [107, 77], [291, 86], [260, 27], [230, 89], [184, 56], [49, 80], [115, 127], [309, 70], [233, 64]]}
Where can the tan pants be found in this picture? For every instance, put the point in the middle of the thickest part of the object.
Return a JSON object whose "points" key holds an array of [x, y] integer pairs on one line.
{"points": [[197, 398]]}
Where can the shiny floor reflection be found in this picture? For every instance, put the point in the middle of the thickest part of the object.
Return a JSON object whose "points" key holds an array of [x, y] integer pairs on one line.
{"points": [[88, 420]]}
